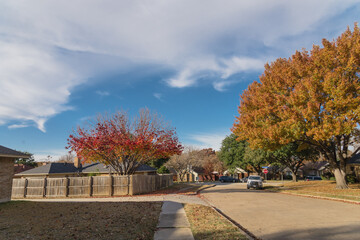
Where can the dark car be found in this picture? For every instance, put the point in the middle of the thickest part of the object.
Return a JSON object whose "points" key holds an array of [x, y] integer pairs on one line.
{"points": [[228, 179], [312, 178], [244, 180]]}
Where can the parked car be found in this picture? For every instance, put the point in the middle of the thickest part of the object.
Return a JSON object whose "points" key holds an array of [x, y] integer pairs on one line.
{"points": [[312, 178], [254, 182], [228, 179], [244, 180]]}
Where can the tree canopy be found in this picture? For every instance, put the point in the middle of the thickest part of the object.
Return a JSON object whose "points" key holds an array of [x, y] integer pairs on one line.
{"points": [[232, 152], [293, 156], [123, 143], [30, 161], [256, 159], [312, 97]]}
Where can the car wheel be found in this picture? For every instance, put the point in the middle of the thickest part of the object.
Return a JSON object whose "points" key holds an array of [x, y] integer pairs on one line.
{"points": [[233, 180], [248, 187], [222, 181]]}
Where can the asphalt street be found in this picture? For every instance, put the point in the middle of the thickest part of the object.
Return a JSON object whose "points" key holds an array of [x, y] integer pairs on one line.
{"points": [[280, 216]]}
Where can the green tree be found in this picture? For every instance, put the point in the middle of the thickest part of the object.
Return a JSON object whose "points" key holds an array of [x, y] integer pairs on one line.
{"points": [[30, 161], [232, 152], [293, 156], [256, 158], [158, 163]]}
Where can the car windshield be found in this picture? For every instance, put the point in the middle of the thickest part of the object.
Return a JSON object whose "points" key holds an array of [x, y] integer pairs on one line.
{"points": [[254, 178]]}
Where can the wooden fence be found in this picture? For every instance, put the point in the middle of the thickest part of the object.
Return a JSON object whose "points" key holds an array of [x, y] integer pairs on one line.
{"points": [[89, 186]]}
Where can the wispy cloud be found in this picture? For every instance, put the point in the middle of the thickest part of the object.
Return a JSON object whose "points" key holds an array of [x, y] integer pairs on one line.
{"points": [[49, 154], [102, 93], [35, 85], [14, 126], [207, 140], [39, 41], [158, 96]]}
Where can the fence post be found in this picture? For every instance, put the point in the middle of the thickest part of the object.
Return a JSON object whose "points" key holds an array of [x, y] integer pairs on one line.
{"points": [[128, 184], [25, 187], [67, 182], [111, 186], [90, 186], [44, 187]]}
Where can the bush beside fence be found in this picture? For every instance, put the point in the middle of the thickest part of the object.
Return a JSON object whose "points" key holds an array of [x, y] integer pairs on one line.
{"points": [[89, 186]]}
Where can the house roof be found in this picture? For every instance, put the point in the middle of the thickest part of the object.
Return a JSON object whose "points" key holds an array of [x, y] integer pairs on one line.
{"points": [[319, 165], [355, 159], [56, 168], [7, 152]]}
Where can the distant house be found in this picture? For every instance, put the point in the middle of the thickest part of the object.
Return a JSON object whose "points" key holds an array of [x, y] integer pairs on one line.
{"points": [[76, 169], [236, 173], [313, 169], [7, 157], [18, 168], [353, 165]]}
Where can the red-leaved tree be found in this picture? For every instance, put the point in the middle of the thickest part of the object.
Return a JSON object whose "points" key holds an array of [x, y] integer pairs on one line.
{"points": [[125, 144]]}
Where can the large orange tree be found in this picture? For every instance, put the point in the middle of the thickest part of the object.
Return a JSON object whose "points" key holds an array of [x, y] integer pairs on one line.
{"points": [[312, 97]]}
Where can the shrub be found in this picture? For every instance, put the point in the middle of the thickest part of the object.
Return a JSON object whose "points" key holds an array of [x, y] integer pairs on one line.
{"points": [[351, 178], [162, 170]]}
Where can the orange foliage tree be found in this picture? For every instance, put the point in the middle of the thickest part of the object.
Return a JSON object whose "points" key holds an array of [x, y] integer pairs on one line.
{"points": [[125, 144], [311, 98]]}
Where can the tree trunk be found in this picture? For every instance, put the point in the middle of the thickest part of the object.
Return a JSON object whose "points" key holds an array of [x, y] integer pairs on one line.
{"points": [[294, 177], [340, 179]]}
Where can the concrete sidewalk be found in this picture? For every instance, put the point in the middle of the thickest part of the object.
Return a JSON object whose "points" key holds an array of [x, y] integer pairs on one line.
{"points": [[173, 223], [137, 198]]}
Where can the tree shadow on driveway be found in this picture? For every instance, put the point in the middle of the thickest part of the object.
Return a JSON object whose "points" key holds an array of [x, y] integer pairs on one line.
{"points": [[234, 190], [348, 232]]}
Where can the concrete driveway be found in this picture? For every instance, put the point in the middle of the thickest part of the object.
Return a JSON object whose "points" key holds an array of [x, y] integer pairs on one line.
{"points": [[280, 216]]}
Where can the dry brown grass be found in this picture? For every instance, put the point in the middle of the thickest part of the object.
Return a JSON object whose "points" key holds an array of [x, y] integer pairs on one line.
{"points": [[321, 189], [206, 223], [81, 220]]}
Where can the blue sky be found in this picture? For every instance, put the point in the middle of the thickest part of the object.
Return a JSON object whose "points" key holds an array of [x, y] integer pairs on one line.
{"points": [[62, 63]]}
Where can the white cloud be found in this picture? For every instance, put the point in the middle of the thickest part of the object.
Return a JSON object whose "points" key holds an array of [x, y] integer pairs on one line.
{"points": [[210, 67], [34, 85], [208, 140], [197, 39], [102, 93], [49, 155], [14, 126]]}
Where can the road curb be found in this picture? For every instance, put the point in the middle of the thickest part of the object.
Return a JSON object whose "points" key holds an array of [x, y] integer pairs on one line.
{"points": [[320, 197], [249, 235]]}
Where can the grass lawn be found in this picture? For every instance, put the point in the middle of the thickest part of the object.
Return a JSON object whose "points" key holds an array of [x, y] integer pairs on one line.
{"points": [[206, 223], [80, 220], [319, 188]]}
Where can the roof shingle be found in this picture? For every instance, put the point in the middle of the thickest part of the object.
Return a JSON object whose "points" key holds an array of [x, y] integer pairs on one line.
{"points": [[53, 168], [7, 152]]}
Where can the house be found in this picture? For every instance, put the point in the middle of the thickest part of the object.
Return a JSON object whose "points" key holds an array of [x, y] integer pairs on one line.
{"points": [[76, 169], [314, 169], [353, 166], [237, 173], [18, 168], [7, 157]]}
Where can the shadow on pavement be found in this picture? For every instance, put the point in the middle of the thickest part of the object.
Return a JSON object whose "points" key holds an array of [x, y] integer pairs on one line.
{"points": [[234, 190], [348, 232]]}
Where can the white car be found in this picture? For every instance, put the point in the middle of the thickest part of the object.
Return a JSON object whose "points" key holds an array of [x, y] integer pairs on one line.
{"points": [[254, 182]]}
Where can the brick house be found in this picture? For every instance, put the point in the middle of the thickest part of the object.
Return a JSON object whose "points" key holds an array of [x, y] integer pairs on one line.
{"points": [[7, 157]]}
